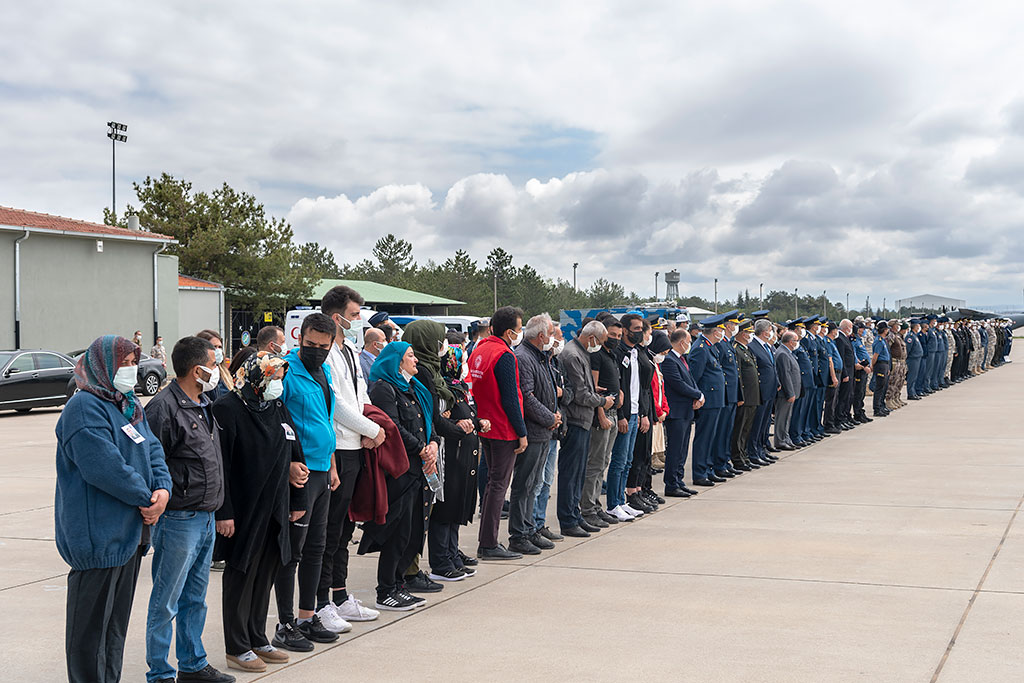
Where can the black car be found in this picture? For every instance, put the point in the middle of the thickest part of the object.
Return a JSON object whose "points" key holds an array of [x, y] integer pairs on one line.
{"points": [[34, 379], [152, 374]]}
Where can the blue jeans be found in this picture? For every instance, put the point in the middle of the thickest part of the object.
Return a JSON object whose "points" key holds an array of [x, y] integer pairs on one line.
{"points": [[622, 458], [543, 491], [182, 549]]}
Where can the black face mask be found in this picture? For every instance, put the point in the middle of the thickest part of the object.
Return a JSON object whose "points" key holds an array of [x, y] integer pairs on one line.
{"points": [[313, 357], [610, 344], [636, 337]]}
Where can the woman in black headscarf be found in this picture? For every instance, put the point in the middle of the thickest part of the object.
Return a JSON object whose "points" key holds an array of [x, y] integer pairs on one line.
{"points": [[461, 458], [262, 456]]}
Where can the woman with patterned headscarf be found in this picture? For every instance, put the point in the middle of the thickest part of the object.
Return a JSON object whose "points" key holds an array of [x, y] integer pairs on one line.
{"points": [[461, 459], [264, 472], [112, 484], [429, 340]]}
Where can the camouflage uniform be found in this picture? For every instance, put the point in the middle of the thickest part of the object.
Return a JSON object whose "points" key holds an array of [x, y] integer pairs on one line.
{"points": [[898, 371], [950, 353]]}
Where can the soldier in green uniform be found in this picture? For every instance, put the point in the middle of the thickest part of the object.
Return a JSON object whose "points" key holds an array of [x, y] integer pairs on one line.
{"points": [[751, 393]]}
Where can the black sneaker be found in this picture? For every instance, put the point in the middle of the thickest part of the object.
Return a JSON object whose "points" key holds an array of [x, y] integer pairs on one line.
{"points": [[288, 637], [314, 630], [467, 560], [396, 602], [541, 542], [547, 533], [218, 566], [524, 546], [421, 583], [417, 601], [467, 571], [448, 575], [206, 675]]}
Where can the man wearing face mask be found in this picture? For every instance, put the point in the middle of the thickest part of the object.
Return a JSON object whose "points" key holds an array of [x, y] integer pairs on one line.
{"points": [[226, 383], [494, 374], [353, 432], [270, 338], [310, 399], [181, 418]]}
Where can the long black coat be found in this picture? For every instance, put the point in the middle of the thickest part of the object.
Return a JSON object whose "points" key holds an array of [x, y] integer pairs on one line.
{"points": [[257, 457], [461, 459]]}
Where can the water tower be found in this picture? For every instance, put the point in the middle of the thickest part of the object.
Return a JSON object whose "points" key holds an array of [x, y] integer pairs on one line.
{"points": [[672, 285]]}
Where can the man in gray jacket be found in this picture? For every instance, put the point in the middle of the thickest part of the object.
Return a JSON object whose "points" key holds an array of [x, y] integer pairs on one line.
{"points": [[572, 456], [789, 378], [540, 409]]}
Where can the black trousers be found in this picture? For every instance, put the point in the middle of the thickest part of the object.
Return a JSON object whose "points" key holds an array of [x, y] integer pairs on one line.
{"points": [[245, 596], [881, 384], [392, 548], [99, 604], [309, 537], [422, 499], [860, 388], [334, 568], [500, 457], [640, 470], [844, 400], [831, 401], [741, 433]]}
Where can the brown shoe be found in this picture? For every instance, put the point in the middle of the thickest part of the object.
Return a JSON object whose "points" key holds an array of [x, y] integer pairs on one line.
{"points": [[274, 656], [252, 666]]}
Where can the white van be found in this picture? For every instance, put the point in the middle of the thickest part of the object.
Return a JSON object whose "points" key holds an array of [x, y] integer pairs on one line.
{"points": [[293, 323], [452, 322]]}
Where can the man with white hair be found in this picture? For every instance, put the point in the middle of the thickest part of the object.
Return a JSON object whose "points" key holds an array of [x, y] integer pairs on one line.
{"points": [[579, 414], [540, 409]]}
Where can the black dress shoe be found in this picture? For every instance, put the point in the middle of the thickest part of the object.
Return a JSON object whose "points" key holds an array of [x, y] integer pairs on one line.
{"points": [[421, 583], [688, 490], [676, 493], [742, 467], [638, 503], [610, 519], [468, 561], [771, 448], [753, 464], [547, 533], [524, 546], [703, 482], [787, 447], [595, 521], [541, 542], [589, 528], [724, 474], [575, 532], [717, 479]]}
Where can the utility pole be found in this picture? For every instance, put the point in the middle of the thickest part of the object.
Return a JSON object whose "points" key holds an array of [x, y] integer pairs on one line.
{"points": [[883, 306], [796, 302], [574, 266], [655, 285], [716, 295], [824, 303], [760, 296], [847, 302], [496, 288]]}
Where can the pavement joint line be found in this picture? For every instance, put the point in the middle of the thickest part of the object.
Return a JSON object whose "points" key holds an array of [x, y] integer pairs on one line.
{"points": [[867, 584], [974, 595], [27, 538], [17, 512], [866, 505], [29, 583]]}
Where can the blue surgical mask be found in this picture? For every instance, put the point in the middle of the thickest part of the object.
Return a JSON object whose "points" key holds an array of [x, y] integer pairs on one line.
{"points": [[218, 355], [125, 379]]}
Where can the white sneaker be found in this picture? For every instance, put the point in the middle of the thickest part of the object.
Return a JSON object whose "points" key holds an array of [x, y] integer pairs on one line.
{"points": [[353, 610], [620, 514], [633, 512], [333, 621]]}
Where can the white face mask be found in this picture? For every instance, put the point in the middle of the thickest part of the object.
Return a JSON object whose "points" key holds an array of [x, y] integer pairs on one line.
{"points": [[444, 349], [218, 356], [518, 339], [549, 344], [660, 358], [275, 388], [556, 347], [211, 383], [125, 379], [646, 342], [594, 348]]}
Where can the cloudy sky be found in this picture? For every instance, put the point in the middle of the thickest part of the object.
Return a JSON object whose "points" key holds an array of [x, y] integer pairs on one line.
{"points": [[876, 150]]}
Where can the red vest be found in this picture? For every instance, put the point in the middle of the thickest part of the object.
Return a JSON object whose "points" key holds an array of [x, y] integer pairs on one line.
{"points": [[485, 387]]}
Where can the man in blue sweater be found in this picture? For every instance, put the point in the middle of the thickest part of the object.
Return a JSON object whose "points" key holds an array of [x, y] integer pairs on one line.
{"points": [[309, 397]]}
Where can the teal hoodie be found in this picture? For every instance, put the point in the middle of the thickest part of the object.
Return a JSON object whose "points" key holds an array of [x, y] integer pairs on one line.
{"points": [[314, 421]]}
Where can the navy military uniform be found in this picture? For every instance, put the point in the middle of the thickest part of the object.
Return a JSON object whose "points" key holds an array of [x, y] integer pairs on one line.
{"points": [[798, 433], [860, 375], [707, 373], [915, 352], [733, 395], [880, 370]]}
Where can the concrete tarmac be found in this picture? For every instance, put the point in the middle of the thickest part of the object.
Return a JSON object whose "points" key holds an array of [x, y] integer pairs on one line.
{"points": [[889, 553]]}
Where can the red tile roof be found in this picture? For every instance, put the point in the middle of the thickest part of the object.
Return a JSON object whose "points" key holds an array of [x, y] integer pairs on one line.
{"points": [[186, 281], [45, 221]]}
